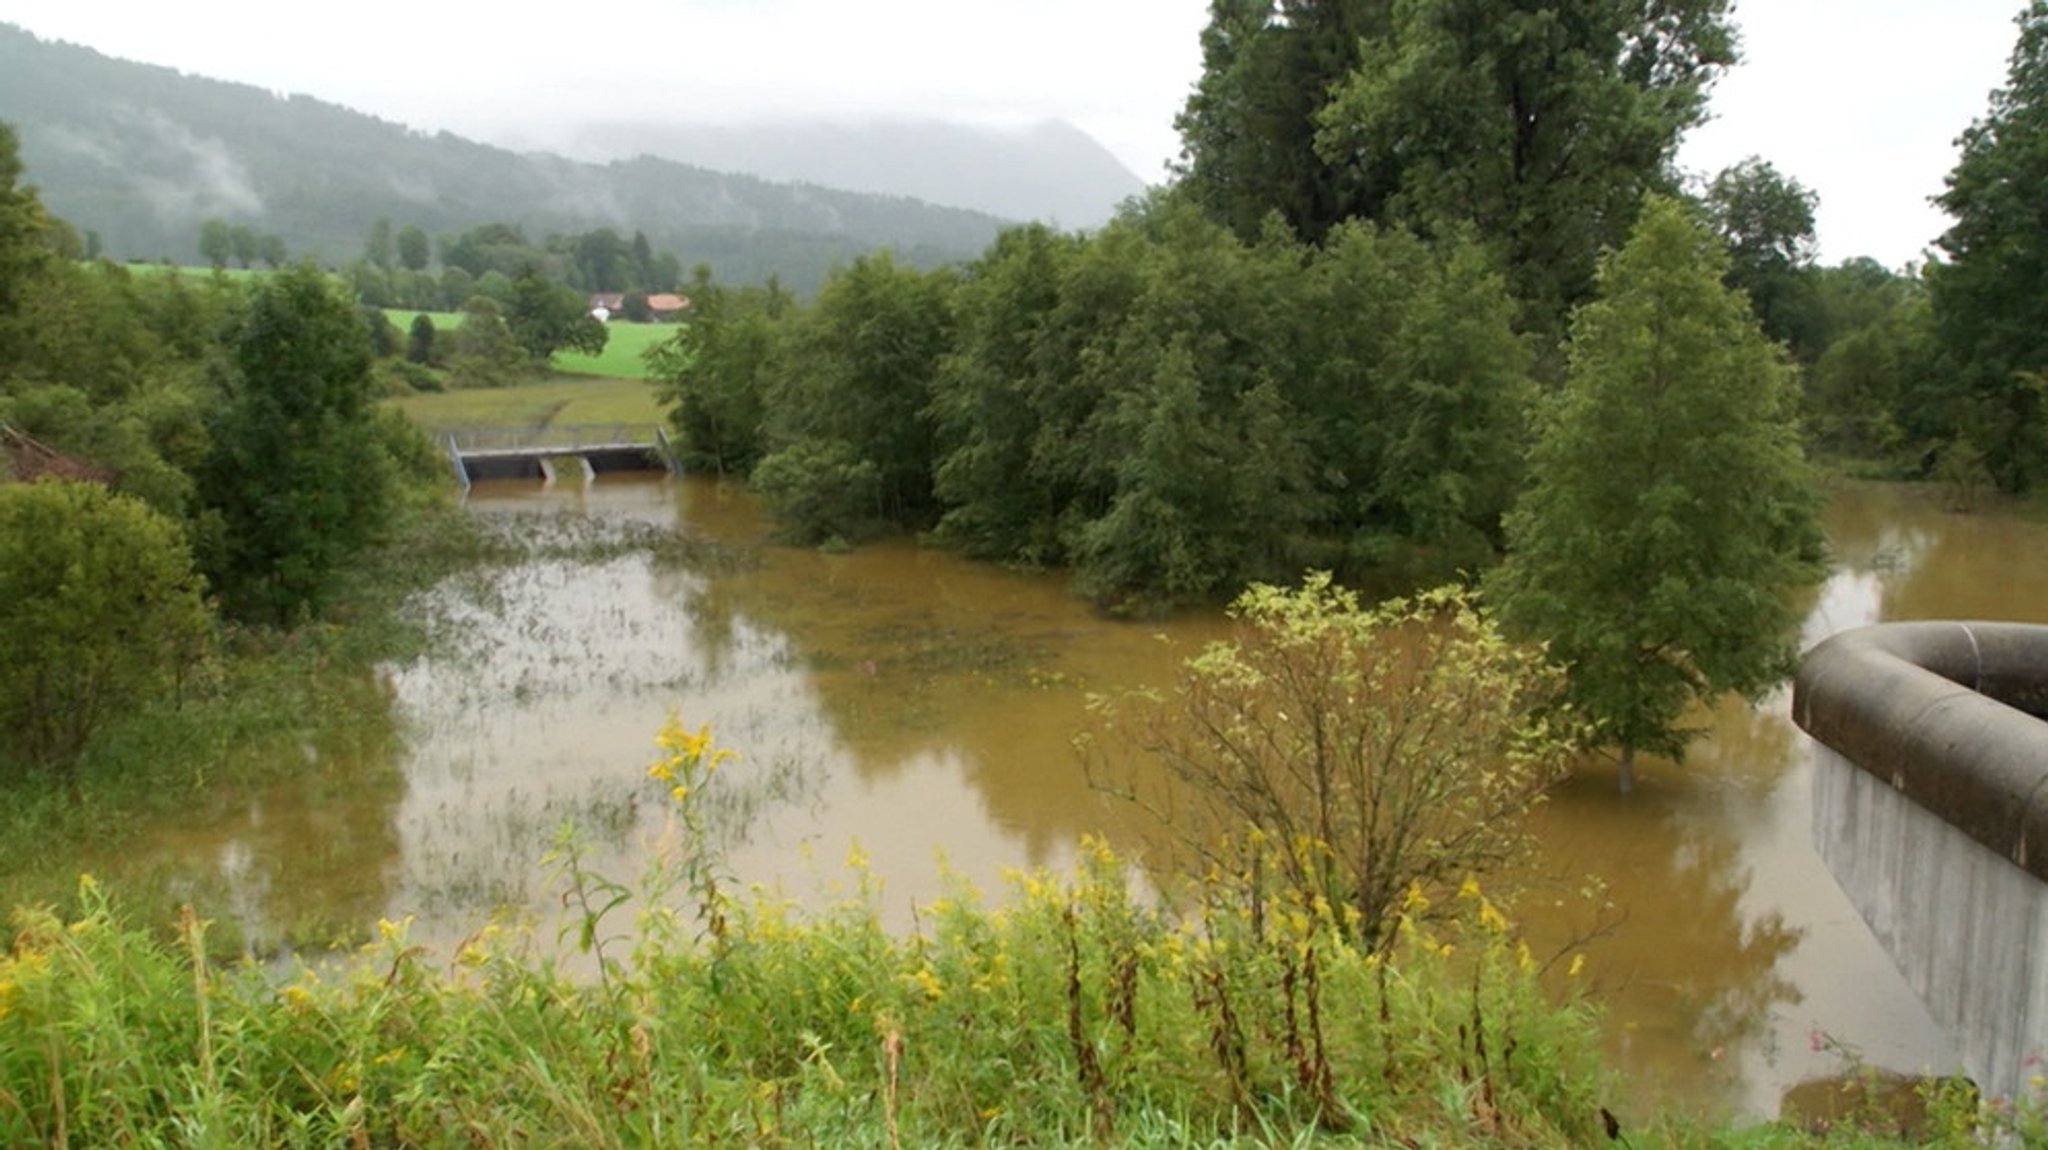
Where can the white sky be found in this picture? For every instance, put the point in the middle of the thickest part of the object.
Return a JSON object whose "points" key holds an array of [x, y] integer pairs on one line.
{"points": [[1860, 100]]}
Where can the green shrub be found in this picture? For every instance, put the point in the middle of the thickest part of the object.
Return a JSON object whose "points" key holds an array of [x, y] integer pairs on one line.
{"points": [[99, 610]]}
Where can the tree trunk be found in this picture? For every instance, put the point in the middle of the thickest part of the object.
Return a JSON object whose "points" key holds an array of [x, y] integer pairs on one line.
{"points": [[1628, 770]]}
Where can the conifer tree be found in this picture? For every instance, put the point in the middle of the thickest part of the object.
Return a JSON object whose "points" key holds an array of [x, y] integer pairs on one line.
{"points": [[1670, 512]]}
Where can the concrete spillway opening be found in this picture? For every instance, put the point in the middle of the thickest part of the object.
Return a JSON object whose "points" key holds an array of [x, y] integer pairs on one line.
{"points": [[1931, 810]]}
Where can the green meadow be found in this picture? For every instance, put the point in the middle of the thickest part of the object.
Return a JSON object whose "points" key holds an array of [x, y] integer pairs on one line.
{"points": [[554, 400], [622, 358]]}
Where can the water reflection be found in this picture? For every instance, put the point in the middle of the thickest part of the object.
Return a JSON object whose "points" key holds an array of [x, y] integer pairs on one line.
{"points": [[309, 858]]}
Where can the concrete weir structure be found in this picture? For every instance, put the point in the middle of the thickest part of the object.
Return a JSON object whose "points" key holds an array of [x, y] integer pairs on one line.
{"points": [[587, 450], [1931, 809]]}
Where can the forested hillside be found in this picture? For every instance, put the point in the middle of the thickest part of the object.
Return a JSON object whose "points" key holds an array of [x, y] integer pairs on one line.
{"points": [[139, 156]]}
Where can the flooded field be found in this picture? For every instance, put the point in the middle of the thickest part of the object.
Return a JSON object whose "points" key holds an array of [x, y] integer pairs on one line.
{"points": [[922, 707]]}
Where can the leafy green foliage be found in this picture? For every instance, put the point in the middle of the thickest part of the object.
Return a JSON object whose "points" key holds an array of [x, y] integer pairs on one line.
{"points": [[99, 610], [1987, 295], [712, 374], [1539, 125], [546, 317], [1670, 512], [1376, 757], [1248, 131], [850, 399], [298, 479], [1177, 413], [484, 352], [1766, 219]]}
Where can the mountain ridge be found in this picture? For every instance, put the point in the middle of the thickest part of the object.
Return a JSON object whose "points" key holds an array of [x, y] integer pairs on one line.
{"points": [[141, 154]]}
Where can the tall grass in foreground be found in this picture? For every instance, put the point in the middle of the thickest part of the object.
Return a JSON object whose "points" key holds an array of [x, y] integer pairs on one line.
{"points": [[1070, 1014]]}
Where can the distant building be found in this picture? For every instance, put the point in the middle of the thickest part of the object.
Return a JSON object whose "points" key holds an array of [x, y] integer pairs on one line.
{"points": [[665, 306]]}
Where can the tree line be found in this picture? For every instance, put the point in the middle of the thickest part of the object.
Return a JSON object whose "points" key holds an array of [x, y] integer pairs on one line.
{"points": [[1427, 298], [405, 268], [229, 461]]}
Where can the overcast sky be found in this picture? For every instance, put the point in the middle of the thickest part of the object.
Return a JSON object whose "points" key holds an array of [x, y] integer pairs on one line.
{"points": [[1860, 100]]}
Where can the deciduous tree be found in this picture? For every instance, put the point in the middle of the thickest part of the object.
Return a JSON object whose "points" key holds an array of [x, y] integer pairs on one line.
{"points": [[1990, 296], [1541, 123], [99, 610], [1766, 219], [546, 317], [1670, 513], [1356, 753]]}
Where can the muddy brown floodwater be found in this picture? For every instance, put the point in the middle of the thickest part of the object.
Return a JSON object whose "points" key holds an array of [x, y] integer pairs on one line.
{"points": [[922, 707]]}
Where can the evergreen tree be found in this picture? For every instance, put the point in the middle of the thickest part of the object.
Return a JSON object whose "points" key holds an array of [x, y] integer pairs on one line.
{"points": [[1670, 510], [1990, 296]]}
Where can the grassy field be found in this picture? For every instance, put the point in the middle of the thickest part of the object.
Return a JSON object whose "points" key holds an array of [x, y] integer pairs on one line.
{"points": [[622, 352], [555, 400]]}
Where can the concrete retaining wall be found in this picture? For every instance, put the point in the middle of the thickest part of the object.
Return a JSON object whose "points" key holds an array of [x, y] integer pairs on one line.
{"points": [[1931, 810]]}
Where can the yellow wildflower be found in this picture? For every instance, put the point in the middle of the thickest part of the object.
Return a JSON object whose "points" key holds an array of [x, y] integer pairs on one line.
{"points": [[1491, 918]]}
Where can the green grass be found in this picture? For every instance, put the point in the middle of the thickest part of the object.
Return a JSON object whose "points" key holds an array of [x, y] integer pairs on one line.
{"points": [[622, 350], [556, 400]]}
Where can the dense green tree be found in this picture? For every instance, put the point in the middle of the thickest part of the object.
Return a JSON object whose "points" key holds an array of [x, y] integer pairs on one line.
{"points": [[853, 399], [299, 479], [1766, 219], [712, 374], [983, 410], [1416, 394], [546, 317], [484, 351], [1670, 510], [1176, 412], [100, 609], [377, 246], [1248, 130], [1874, 392], [25, 256], [245, 244], [601, 261], [414, 249], [216, 243], [1990, 296], [419, 340], [457, 287], [271, 250], [1540, 122]]}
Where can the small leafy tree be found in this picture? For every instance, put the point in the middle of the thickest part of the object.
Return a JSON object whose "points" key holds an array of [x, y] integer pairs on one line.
{"points": [[419, 339], [1671, 512], [99, 610], [546, 317], [1359, 753]]}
